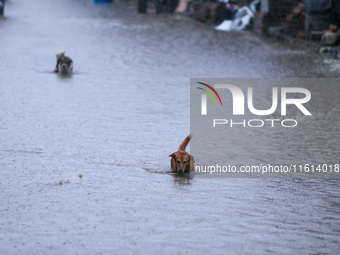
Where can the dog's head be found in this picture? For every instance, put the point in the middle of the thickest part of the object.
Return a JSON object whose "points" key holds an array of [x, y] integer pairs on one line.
{"points": [[182, 161], [65, 65], [65, 62]]}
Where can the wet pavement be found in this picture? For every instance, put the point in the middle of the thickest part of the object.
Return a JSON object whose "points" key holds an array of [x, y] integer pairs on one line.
{"points": [[84, 159]]}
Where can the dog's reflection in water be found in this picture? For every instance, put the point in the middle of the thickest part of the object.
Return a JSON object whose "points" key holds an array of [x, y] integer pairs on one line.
{"points": [[182, 179]]}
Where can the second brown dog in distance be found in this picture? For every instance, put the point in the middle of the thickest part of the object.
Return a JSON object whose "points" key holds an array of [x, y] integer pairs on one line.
{"points": [[182, 161]]}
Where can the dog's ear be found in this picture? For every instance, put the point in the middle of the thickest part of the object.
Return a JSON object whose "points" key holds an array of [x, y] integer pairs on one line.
{"points": [[173, 155], [192, 158]]}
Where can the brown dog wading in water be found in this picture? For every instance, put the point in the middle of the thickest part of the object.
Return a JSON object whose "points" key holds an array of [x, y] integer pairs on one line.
{"points": [[182, 161]]}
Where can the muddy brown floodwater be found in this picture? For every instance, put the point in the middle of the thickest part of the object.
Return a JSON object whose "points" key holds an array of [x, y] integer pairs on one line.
{"points": [[116, 120]]}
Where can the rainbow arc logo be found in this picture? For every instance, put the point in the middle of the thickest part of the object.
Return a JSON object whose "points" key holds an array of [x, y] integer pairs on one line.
{"points": [[204, 97], [209, 93]]}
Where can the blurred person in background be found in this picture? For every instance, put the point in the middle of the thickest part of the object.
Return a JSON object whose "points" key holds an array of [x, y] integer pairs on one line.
{"points": [[2, 7]]}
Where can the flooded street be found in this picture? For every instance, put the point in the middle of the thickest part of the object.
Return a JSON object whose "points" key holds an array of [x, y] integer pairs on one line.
{"points": [[84, 159]]}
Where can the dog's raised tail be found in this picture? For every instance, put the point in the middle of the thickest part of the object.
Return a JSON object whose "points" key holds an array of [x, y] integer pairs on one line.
{"points": [[184, 143], [60, 54]]}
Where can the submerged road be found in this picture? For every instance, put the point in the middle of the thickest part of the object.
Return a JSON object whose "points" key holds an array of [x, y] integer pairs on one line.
{"points": [[84, 159]]}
